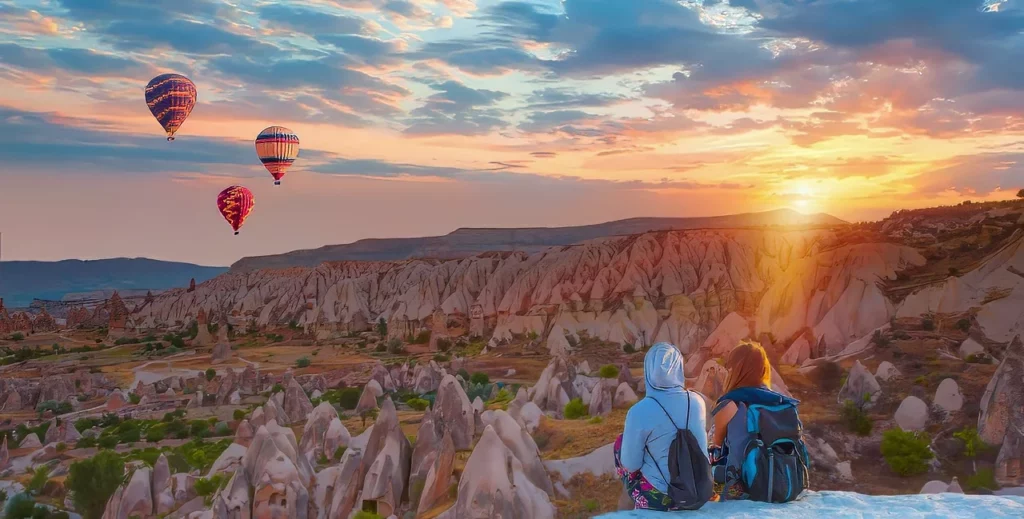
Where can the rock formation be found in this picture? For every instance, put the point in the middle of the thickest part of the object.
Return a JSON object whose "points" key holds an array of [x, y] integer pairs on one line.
{"points": [[861, 388], [1002, 415], [493, 485], [912, 415], [948, 397], [203, 337], [452, 407]]}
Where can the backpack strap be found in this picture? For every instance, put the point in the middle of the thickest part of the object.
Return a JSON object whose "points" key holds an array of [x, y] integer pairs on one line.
{"points": [[668, 482], [688, 403]]}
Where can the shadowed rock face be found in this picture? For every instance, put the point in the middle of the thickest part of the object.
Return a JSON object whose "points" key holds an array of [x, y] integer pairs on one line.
{"points": [[453, 409], [1002, 416], [493, 485]]}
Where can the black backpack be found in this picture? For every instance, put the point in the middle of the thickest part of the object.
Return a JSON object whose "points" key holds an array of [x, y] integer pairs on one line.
{"points": [[767, 455], [690, 485]]}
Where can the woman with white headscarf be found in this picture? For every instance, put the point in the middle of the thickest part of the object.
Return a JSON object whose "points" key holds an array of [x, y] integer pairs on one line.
{"points": [[641, 452]]}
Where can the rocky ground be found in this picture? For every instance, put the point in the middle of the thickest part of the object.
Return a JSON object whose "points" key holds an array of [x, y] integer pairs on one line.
{"points": [[428, 388]]}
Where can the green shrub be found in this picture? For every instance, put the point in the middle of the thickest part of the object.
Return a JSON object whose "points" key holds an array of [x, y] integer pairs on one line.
{"points": [[855, 419], [880, 339], [901, 335], [595, 420], [828, 376], [303, 362], [964, 325], [17, 336], [205, 487], [156, 432], [417, 404], [984, 478], [238, 415], [628, 348], [21, 506], [58, 408], [440, 357], [381, 348], [973, 444], [927, 324], [107, 442], [39, 479], [339, 452], [363, 514], [480, 378], [349, 398], [463, 373], [199, 428], [906, 452], [575, 409], [395, 346], [210, 374], [276, 388], [422, 338], [61, 447], [608, 371], [86, 442], [92, 481], [134, 399], [382, 327]]}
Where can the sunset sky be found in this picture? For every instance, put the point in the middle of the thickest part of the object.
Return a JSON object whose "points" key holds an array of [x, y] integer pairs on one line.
{"points": [[417, 117]]}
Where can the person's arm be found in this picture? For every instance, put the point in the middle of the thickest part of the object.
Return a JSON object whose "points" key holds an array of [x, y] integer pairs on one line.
{"points": [[722, 423], [634, 440]]}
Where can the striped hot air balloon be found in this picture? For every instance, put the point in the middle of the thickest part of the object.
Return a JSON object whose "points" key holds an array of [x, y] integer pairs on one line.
{"points": [[171, 98], [235, 203], [277, 147]]}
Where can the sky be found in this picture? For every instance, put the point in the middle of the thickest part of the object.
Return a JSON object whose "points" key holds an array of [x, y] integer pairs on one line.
{"points": [[417, 117]]}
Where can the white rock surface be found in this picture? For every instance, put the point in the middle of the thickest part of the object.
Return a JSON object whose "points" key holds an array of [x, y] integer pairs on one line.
{"points": [[948, 396], [912, 415], [887, 371], [970, 347]]}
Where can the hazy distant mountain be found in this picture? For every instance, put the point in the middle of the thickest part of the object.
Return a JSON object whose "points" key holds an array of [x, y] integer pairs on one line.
{"points": [[20, 281], [470, 241]]}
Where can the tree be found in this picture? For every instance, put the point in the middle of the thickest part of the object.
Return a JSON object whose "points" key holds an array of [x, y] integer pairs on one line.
{"points": [[382, 327], [93, 481], [1020, 194], [210, 373]]}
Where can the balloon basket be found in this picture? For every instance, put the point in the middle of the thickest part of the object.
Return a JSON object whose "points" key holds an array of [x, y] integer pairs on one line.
{"points": [[236, 233], [170, 138], [277, 182]]}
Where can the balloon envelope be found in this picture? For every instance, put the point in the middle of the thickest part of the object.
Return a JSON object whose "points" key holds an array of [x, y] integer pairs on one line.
{"points": [[170, 98], [277, 148], [235, 203]]}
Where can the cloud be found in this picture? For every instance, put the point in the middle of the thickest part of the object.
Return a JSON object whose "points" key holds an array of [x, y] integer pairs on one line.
{"points": [[501, 175], [457, 110], [483, 56], [52, 142], [81, 62], [312, 21], [544, 122], [372, 51], [978, 174], [568, 98]]}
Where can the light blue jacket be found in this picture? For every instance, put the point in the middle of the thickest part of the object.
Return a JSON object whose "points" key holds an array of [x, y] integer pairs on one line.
{"points": [[648, 426]]}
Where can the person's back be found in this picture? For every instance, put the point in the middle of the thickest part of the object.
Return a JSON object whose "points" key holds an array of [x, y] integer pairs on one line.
{"points": [[758, 454], [642, 452]]}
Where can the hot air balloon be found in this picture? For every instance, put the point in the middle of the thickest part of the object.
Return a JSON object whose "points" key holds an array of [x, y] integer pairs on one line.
{"points": [[277, 148], [235, 203], [170, 98]]}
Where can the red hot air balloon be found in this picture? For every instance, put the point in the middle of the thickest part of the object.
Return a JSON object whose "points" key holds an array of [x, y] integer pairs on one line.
{"points": [[235, 203], [277, 147], [171, 98]]}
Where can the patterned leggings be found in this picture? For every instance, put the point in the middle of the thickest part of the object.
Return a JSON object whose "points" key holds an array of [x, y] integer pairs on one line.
{"points": [[644, 495]]}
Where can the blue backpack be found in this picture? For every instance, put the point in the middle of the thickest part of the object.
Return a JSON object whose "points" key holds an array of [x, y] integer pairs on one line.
{"points": [[765, 451]]}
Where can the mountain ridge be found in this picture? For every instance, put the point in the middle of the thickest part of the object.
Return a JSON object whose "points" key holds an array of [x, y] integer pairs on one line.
{"points": [[23, 281], [468, 241]]}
